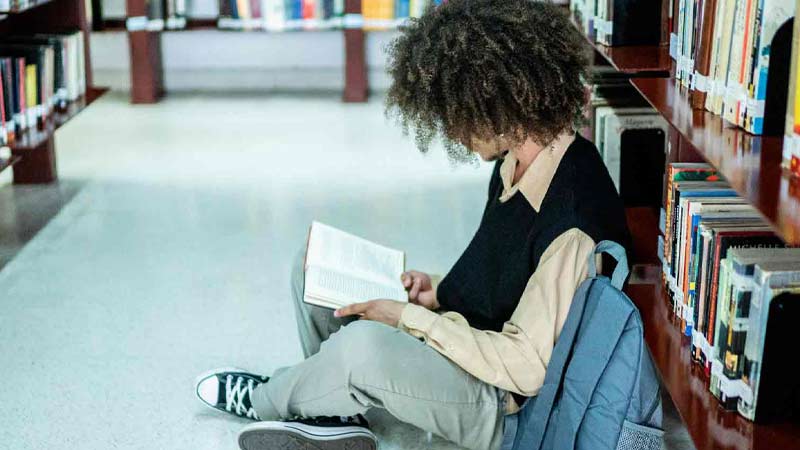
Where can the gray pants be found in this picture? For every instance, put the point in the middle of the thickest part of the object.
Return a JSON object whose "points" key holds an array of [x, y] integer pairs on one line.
{"points": [[353, 366]]}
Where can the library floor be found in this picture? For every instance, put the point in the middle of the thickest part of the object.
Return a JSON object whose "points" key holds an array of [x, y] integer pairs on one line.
{"points": [[165, 249]]}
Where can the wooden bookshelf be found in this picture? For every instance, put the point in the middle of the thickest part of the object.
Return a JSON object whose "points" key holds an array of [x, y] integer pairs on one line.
{"points": [[708, 424], [146, 63], [639, 60], [33, 152], [752, 164], [34, 137], [191, 25]]}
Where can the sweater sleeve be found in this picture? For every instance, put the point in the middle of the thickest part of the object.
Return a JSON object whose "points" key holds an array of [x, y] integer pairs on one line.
{"points": [[516, 358]]}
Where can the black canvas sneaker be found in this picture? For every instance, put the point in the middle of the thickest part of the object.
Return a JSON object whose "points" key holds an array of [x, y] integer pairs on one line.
{"points": [[322, 433], [229, 390]]}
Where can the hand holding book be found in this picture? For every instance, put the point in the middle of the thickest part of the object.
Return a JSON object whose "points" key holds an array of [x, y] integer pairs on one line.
{"points": [[420, 289]]}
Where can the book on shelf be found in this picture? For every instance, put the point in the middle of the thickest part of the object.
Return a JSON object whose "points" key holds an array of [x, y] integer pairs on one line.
{"points": [[724, 52], [378, 14], [702, 52], [631, 140], [619, 22], [737, 287], [286, 15], [773, 311], [678, 172], [39, 73], [341, 269], [718, 253], [635, 154], [791, 138]]}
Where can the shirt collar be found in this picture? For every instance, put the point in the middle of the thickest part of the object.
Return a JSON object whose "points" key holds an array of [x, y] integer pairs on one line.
{"points": [[537, 177]]}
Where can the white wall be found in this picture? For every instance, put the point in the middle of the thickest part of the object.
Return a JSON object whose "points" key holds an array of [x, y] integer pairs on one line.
{"points": [[245, 61]]}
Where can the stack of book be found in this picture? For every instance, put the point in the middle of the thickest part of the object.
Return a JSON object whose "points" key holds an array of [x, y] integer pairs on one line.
{"points": [[630, 135], [723, 267], [161, 14], [723, 52], [38, 73], [285, 15], [726, 52]]}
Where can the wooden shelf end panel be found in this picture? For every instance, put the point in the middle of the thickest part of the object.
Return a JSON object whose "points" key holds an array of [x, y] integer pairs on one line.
{"points": [[356, 89], [36, 165], [147, 75]]}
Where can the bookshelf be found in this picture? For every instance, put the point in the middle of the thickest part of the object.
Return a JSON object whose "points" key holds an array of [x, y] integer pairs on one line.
{"points": [[33, 157], [752, 165], [147, 74]]}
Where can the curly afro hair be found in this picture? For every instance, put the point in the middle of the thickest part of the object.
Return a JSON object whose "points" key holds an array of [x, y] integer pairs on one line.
{"points": [[481, 68]]}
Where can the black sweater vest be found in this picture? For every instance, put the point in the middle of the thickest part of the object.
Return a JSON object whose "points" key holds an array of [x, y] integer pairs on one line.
{"points": [[487, 281]]}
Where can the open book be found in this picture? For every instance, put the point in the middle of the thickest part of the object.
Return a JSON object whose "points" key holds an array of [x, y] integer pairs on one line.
{"points": [[341, 269]]}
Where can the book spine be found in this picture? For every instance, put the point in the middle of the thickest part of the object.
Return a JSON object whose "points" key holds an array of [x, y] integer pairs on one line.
{"points": [[703, 54]]}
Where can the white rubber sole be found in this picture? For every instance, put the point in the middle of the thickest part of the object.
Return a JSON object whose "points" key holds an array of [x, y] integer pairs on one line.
{"points": [[298, 436]]}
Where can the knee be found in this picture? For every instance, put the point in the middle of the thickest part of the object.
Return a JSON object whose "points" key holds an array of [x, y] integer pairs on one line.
{"points": [[363, 343]]}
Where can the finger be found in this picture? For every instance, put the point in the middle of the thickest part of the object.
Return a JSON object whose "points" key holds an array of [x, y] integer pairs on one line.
{"points": [[415, 288], [426, 296], [351, 310], [407, 279]]}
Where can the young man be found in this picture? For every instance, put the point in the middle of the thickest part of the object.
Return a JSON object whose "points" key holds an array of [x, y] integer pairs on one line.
{"points": [[502, 79]]}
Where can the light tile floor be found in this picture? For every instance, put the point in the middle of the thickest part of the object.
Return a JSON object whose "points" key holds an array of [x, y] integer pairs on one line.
{"points": [[168, 254]]}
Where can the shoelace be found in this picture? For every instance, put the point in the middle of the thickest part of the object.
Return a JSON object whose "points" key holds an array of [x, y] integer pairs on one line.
{"points": [[236, 394]]}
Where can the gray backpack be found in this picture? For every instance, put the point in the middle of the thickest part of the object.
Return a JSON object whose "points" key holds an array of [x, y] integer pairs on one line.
{"points": [[601, 390]]}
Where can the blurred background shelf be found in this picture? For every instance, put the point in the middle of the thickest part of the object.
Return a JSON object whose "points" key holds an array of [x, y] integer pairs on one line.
{"points": [[34, 150], [36, 136], [31, 5]]}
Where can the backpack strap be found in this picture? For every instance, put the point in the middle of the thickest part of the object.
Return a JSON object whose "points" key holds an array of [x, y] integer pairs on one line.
{"points": [[618, 253], [546, 397]]}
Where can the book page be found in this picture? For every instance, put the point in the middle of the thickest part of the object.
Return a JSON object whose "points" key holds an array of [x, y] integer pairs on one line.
{"points": [[333, 289], [334, 249]]}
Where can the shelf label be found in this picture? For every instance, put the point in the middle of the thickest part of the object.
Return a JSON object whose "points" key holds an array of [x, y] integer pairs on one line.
{"points": [[755, 108], [229, 23], [176, 23], [353, 21], [155, 25], [673, 46], [138, 23], [700, 82]]}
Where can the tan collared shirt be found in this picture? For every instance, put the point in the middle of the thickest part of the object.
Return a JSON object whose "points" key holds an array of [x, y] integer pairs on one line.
{"points": [[515, 359]]}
